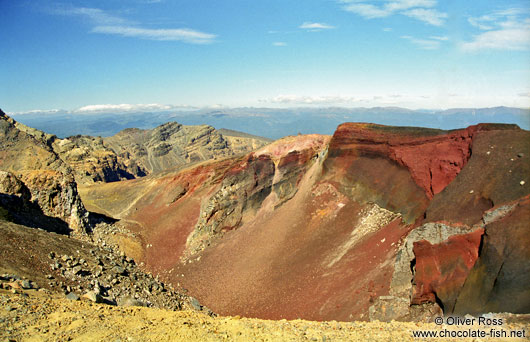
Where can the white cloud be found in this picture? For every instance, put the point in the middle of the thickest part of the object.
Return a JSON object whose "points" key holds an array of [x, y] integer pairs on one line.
{"points": [[106, 23], [185, 35], [95, 15], [514, 39], [400, 5], [124, 107], [315, 26], [525, 94], [36, 111], [501, 33], [480, 23], [387, 29], [279, 44], [367, 11], [430, 16], [442, 38], [425, 44], [341, 100], [310, 100], [418, 9], [111, 108], [502, 17]]}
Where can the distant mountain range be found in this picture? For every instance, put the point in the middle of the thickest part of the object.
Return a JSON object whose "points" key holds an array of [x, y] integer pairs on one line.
{"points": [[272, 123]]}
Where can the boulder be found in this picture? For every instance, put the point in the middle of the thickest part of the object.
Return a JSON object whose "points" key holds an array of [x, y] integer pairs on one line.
{"points": [[130, 301], [93, 297], [72, 296]]}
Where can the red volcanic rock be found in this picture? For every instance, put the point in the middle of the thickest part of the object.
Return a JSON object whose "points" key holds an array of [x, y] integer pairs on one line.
{"points": [[442, 269], [500, 161], [436, 163], [307, 144], [295, 158], [433, 157], [369, 159]]}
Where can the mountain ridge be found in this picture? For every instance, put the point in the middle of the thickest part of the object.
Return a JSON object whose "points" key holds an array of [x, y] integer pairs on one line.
{"points": [[134, 152]]}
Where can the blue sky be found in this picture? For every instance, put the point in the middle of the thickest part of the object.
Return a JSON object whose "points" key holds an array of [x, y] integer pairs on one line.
{"points": [[138, 54]]}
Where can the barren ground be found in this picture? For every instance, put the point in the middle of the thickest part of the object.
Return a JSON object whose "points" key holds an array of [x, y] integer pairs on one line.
{"points": [[39, 316]]}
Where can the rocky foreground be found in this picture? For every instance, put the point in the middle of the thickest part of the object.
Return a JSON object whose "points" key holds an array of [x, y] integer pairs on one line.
{"points": [[30, 315]]}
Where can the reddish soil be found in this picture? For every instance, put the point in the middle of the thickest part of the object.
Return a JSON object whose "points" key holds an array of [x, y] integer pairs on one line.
{"points": [[278, 268], [166, 215]]}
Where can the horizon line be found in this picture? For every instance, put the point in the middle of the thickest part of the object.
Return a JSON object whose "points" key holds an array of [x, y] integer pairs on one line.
{"points": [[118, 109]]}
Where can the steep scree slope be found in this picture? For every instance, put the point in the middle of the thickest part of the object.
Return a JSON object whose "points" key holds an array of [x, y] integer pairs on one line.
{"points": [[347, 228]]}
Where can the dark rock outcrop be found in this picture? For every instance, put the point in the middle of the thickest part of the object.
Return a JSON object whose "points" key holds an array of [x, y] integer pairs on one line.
{"points": [[499, 281], [16, 205], [27, 154], [491, 177]]}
